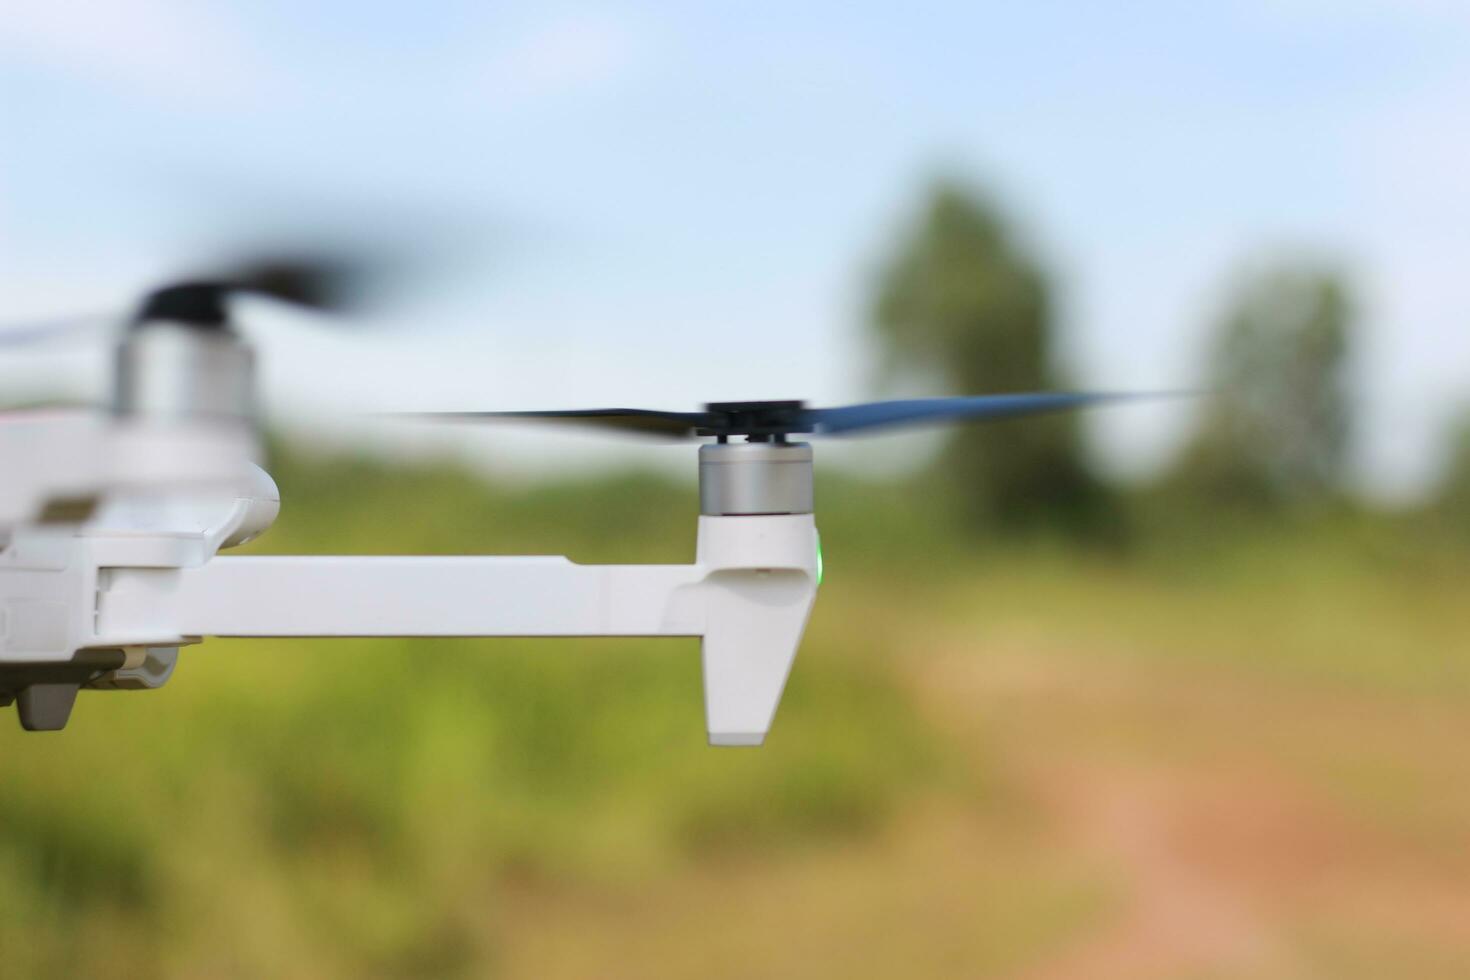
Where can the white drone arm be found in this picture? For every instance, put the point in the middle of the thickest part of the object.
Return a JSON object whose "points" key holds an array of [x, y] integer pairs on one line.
{"points": [[747, 596]]}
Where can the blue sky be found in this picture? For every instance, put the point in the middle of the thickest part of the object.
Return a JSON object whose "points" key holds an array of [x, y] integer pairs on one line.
{"points": [[649, 182]]}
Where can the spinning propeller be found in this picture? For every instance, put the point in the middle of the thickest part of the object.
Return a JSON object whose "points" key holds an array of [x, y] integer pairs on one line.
{"points": [[325, 283], [328, 282], [773, 421]]}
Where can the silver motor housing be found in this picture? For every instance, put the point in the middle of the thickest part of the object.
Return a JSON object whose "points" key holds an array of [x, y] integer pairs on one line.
{"points": [[168, 370], [750, 478]]}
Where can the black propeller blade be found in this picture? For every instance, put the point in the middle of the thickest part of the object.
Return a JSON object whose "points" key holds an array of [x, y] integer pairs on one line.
{"points": [[762, 421], [322, 282], [638, 421], [329, 283]]}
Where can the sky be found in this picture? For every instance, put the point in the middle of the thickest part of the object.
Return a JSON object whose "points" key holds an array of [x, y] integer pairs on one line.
{"points": [[661, 205]]}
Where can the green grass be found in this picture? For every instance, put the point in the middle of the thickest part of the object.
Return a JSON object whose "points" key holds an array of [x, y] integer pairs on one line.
{"points": [[349, 796], [363, 807]]}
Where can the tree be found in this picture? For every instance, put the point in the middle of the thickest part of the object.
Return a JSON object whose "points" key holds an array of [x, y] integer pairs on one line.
{"points": [[1277, 422], [961, 302], [1451, 501]]}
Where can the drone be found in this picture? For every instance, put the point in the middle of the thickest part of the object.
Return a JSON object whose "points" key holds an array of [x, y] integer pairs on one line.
{"points": [[112, 521]]}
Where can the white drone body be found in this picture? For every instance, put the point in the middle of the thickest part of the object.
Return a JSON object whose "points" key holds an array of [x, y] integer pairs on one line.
{"points": [[111, 526]]}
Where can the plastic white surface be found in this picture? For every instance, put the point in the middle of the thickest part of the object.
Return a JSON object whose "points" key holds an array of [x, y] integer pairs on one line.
{"points": [[143, 571], [65, 455], [747, 596]]}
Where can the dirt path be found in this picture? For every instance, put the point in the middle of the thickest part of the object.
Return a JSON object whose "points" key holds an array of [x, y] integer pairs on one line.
{"points": [[1114, 819], [1215, 805]]}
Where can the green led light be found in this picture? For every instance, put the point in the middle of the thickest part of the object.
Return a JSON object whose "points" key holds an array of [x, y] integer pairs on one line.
{"points": [[819, 558]]}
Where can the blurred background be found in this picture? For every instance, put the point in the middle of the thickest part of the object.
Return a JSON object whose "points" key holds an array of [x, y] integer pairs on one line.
{"points": [[1176, 690]]}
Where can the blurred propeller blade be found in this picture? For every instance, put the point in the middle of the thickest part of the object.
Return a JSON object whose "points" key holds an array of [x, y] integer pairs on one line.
{"points": [[635, 421], [778, 419], [325, 282], [930, 411], [331, 283], [323, 248]]}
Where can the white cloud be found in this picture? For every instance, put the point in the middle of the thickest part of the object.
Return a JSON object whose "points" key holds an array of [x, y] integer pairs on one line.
{"points": [[569, 53], [162, 49]]}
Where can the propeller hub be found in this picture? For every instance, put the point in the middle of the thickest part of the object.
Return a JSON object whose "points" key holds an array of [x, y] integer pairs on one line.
{"points": [[770, 421], [194, 304]]}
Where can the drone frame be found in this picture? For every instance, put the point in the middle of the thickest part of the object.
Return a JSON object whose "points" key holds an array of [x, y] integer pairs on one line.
{"points": [[111, 524], [107, 602]]}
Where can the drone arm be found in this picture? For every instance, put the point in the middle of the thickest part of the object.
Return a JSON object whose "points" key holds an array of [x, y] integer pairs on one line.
{"points": [[762, 583], [754, 625], [409, 596], [747, 596]]}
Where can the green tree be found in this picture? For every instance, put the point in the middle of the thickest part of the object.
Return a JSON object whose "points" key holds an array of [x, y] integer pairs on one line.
{"points": [[1277, 423], [1451, 502], [962, 303]]}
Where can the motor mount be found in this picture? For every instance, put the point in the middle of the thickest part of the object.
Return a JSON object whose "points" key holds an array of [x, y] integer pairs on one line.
{"points": [[753, 478]]}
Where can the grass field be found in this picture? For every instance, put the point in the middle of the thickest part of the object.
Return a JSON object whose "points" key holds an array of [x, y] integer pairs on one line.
{"points": [[1219, 755]]}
